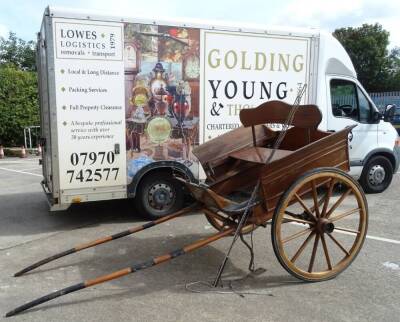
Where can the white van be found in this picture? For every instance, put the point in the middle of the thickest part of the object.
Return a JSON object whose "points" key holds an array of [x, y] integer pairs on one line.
{"points": [[124, 100]]}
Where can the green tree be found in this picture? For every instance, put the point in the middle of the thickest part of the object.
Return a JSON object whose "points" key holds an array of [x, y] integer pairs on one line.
{"points": [[18, 103], [367, 47], [18, 52], [395, 69]]}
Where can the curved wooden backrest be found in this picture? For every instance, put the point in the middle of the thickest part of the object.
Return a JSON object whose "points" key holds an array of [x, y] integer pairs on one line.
{"points": [[307, 116]]}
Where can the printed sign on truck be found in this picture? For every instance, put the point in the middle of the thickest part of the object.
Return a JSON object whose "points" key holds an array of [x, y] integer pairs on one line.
{"points": [[243, 70], [90, 98]]}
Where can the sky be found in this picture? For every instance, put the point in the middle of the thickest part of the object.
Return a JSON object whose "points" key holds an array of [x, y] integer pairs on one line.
{"points": [[24, 16]]}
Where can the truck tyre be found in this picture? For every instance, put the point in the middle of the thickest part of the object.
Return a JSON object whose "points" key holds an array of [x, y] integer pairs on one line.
{"points": [[158, 195], [377, 174]]}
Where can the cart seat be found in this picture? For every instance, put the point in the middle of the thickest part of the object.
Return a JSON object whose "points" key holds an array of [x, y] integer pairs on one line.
{"points": [[258, 154], [306, 117]]}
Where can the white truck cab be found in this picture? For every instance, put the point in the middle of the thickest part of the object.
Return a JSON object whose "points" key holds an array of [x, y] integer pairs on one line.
{"points": [[373, 151]]}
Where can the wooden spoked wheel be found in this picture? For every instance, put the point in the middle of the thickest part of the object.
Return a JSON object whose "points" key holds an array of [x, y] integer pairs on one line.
{"points": [[317, 233], [218, 223]]}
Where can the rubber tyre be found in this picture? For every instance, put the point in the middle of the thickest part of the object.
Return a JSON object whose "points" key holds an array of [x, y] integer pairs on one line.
{"points": [[387, 166], [146, 189]]}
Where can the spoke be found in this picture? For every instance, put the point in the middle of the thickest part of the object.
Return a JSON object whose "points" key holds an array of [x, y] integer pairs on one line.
{"points": [[339, 244], [307, 210], [302, 247], [337, 203], [296, 235], [315, 197], [345, 214], [328, 197], [320, 202], [347, 230], [314, 252], [290, 219], [287, 212], [328, 260]]}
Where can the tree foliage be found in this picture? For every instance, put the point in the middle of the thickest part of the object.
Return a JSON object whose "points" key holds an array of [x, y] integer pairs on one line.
{"points": [[18, 52], [394, 81], [18, 103], [377, 69], [18, 89]]}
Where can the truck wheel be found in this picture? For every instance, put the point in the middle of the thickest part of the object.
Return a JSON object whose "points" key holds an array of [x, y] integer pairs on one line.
{"points": [[158, 195], [377, 174]]}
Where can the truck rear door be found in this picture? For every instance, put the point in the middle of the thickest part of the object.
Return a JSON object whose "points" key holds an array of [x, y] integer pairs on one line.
{"points": [[45, 133]]}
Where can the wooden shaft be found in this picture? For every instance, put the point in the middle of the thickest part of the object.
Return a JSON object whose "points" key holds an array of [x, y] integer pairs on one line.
{"points": [[137, 267], [106, 239], [108, 277]]}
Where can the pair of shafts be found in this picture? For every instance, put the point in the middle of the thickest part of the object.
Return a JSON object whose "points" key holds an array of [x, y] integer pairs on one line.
{"points": [[137, 267]]}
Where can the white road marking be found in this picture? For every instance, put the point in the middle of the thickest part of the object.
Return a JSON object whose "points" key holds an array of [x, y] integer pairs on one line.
{"points": [[30, 169], [382, 239], [387, 240], [23, 172], [19, 162], [392, 266]]}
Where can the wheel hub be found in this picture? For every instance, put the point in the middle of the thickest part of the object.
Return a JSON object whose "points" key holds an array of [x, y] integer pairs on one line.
{"points": [[376, 175], [160, 196], [324, 226]]}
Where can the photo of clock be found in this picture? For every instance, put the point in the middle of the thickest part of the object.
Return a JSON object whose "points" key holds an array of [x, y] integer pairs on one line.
{"points": [[159, 80], [191, 67], [140, 100], [156, 84], [131, 57]]}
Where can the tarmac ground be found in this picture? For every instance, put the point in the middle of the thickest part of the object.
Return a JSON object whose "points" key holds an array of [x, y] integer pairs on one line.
{"points": [[369, 290]]}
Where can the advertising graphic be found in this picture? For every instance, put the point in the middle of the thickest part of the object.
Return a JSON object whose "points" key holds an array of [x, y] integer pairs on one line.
{"points": [[162, 69], [244, 70], [89, 74]]}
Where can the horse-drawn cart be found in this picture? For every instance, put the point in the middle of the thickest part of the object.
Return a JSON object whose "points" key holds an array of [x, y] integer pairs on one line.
{"points": [[319, 213]]}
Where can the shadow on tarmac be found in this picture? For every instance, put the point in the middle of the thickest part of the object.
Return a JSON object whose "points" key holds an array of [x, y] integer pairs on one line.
{"points": [[28, 214], [200, 265]]}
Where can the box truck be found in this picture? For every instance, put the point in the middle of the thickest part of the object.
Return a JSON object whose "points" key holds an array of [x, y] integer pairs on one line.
{"points": [[124, 100]]}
